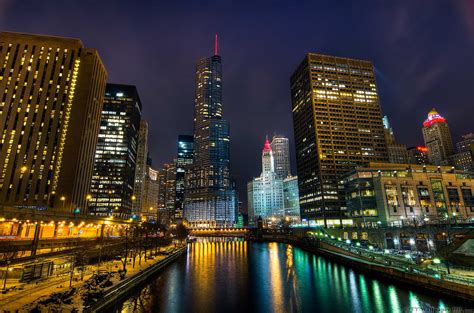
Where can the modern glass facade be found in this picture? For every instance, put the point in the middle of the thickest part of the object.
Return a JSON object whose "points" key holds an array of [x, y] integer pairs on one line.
{"points": [[116, 153], [337, 126], [141, 170], [210, 198], [291, 198], [281, 156], [184, 159]]}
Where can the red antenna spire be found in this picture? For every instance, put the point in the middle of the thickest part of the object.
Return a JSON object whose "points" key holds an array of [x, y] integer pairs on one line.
{"points": [[216, 45]]}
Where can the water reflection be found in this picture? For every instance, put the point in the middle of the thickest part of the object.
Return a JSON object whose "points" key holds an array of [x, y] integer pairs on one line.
{"points": [[222, 275]]}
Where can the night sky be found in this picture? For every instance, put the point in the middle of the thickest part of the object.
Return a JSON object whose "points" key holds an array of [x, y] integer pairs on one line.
{"points": [[422, 51]]}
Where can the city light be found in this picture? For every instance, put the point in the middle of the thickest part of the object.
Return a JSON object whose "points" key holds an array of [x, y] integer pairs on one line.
{"points": [[379, 217]]}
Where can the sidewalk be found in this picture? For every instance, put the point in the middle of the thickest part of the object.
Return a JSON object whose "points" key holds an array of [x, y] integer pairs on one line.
{"points": [[31, 293]]}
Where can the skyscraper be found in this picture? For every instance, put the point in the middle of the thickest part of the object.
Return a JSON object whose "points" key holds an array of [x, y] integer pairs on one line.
{"points": [[140, 167], [397, 153], [291, 199], [265, 193], [437, 138], [418, 155], [184, 160], [464, 158], [116, 153], [170, 199], [281, 156], [52, 90], [210, 199], [337, 125], [149, 203]]}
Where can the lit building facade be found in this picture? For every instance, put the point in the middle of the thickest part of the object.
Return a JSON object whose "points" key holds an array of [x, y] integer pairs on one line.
{"points": [[170, 185], [437, 138], [464, 158], [162, 216], [149, 204], [291, 202], [265, 193], [418, 155], [116, 154], [140, 167], [337, 125], [210, 198], [184, 159], [406, 194], [397, 153], [52, 90], [281, 155]]}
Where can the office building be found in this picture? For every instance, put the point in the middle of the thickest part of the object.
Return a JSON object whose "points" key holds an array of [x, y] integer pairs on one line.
{"points": [[464, 158], [116, 154], [170, 185], [437, 138], [265, 193], [418, 155], [337, 125], [162, 215], [52, 89], [141, 167], [184, 160], [149, 204], [210, 199], [466, 144], [408, 194], [397, 153], [281, 156], [291, 201]]}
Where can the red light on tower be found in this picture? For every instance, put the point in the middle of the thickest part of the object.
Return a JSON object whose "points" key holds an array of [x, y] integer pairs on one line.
{"points": [[266, 146], [433, 117]]}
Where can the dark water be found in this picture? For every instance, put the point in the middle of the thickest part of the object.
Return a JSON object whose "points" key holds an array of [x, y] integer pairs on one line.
{"points": [[240, 276]]}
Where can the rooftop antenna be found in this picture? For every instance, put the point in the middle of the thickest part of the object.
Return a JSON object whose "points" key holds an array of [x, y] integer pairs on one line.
{"points": [[216, 45]]}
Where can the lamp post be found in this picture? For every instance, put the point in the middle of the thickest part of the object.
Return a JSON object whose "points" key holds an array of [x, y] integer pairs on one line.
{"points": [[88, 198], [133, 197], [63, 199]]}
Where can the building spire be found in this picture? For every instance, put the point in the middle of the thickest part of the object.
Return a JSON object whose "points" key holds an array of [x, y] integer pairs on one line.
{"points": [[266, 146], [216, 46]]}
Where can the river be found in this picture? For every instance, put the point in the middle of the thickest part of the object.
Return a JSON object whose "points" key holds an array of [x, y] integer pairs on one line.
{"points": [[224, 275]]}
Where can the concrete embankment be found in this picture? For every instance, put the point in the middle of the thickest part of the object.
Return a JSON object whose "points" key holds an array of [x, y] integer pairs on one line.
{"points": [[125, 287], [464, 292]]}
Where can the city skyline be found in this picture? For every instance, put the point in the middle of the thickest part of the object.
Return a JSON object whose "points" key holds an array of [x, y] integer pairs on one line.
{"points": [[130, 178], [406, 93]]}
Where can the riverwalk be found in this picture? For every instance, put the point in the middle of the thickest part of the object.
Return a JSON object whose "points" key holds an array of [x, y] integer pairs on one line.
{"points": [[36, 295]]}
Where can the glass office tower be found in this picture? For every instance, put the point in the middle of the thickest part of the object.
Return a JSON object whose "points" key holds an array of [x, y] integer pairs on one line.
{"points": [[183, 161], [210, 198], [116, 153]]}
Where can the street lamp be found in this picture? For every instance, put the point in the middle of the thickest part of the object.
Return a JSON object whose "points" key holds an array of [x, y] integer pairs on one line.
{"points": [[88, 198], [133, 202], [63, 199], [23, 169]]}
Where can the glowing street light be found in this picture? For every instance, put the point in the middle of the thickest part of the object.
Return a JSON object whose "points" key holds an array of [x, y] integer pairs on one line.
{"points": [[63, 199]]}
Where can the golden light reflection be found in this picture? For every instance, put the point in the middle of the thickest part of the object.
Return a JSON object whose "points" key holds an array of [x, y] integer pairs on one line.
{"points": [[275, 278], [206, 258]]}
